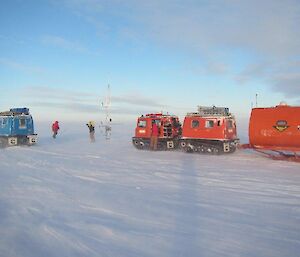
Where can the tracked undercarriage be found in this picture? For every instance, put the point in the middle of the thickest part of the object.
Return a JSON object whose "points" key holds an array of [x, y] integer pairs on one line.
{"points": [[162, 144], [208, 146]]}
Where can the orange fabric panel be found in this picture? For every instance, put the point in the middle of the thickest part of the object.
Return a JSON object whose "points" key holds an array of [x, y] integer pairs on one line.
{"points": [[277, 127]]}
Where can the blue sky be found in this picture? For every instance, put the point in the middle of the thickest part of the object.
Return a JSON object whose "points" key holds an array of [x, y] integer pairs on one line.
{"points": [[57, 56]]}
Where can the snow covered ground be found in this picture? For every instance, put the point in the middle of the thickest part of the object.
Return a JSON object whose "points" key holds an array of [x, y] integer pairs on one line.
{"points": [[68, 197]]}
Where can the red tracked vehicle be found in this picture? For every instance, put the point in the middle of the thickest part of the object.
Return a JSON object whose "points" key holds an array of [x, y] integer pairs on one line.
{"points": [[210, 130], [169, 131], [275, 132]]}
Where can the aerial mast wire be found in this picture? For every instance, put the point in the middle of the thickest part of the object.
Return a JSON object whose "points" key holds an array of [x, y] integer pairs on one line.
{"points": [[256, 95], [106, 106]]}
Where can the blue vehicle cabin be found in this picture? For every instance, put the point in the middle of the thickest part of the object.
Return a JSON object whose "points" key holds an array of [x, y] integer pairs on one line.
{"points": [[16, 127]]}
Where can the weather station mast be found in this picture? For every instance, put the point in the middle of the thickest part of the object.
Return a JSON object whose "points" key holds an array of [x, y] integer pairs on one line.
{"points": [[106, 104]]}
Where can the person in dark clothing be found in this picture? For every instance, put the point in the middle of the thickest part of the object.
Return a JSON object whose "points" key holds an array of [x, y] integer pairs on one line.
{"points": [[91, 127], [55, 128]]}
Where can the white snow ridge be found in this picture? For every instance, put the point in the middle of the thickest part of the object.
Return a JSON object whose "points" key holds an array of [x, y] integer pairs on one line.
{"points": [[70, 197]]}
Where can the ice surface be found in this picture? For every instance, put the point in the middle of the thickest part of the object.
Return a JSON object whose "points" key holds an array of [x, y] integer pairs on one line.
{"points": [[68, 197]]}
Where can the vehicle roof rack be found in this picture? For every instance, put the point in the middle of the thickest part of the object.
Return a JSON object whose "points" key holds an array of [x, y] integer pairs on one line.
{"points": [[162, 115], [15, 111], [211, 111]]}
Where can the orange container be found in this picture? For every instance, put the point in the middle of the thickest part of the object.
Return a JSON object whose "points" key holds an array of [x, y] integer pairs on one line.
{"points": [[275, 128]]}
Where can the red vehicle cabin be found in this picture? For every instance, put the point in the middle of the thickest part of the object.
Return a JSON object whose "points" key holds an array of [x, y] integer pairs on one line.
{"points": [[169, 131], [210, 130]]}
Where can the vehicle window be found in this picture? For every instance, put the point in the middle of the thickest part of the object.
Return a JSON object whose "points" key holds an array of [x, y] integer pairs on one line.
{"points": [[219, 123], [209, 123], [3, 122], [142, 124], [229, 124], [195, 123], [156, 121], [22, 123]]}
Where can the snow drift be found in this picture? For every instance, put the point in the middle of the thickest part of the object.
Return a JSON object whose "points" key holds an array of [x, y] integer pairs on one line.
{"points": [[68, 197]]}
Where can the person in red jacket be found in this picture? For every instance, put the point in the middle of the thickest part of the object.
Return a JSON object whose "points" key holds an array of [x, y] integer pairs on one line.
{"points": [[154, 136], [55, 128]]}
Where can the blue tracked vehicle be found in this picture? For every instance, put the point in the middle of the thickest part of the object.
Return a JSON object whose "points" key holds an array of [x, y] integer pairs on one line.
{"points": [[16, 128]]}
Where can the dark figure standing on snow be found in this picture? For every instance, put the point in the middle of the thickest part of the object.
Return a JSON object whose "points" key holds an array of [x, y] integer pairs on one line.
{"points": [[92, 131], [55, 128], [154, 137]]}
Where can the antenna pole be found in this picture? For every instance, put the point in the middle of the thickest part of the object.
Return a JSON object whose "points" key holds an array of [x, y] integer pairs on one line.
{"points": [[106, 105], [256, 99]]}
